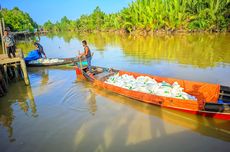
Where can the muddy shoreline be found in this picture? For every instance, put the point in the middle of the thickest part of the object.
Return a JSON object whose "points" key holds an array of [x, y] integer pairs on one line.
{"points": [[145, 32]]}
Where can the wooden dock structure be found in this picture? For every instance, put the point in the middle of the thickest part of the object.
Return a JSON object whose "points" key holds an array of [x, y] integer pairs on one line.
{"points": [[12, 70]]}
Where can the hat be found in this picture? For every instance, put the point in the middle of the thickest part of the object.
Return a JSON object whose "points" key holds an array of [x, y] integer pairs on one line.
{"points": [[7, 28], [36, 43]]}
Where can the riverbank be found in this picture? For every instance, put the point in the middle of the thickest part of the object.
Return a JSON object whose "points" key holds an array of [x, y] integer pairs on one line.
{"points": [[143, 16], [145, 32]]}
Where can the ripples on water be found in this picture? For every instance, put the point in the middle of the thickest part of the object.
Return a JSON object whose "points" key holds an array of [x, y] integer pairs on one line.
{"points": [[62, 112]]}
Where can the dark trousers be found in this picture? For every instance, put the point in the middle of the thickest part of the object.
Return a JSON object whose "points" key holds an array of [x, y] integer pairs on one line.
{"points": [[89, 63], [11, 50]]}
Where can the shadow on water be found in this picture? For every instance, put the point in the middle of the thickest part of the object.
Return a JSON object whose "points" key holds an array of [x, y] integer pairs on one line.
{"points": [[22, 98]]}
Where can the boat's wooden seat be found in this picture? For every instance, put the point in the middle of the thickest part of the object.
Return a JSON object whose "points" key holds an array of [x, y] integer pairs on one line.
{"points": [[224, 94], [103, 75]]}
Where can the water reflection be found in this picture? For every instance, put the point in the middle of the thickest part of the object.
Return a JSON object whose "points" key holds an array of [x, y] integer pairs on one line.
{"points": [[40, 78], [66, 36], [199, 50], [91, 100], [206, 126], [90, 96], [24, 99], [152, 130]]}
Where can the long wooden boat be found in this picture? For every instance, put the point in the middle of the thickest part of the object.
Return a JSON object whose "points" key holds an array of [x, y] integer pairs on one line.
{"points": [[63, 61], [208, 95]]}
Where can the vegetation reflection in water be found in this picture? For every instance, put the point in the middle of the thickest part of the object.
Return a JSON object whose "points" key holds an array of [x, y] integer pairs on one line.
{"points": [[23, 98], [199, 50]]}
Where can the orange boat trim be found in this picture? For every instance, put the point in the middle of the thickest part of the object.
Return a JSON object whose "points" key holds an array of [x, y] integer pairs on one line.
{"points": [[204, 92]]}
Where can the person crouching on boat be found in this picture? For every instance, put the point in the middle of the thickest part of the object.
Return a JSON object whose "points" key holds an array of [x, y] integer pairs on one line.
{"points": [[35, 54], [40, 49], [87, 54]]}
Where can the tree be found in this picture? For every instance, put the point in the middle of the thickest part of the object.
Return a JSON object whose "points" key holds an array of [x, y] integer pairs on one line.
{"points": [[169, 15], [48, 25], [17, 20]]}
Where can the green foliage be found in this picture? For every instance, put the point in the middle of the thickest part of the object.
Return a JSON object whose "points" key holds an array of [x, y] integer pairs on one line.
{"points": [[48, 25], [208, 15], [18, 20]]}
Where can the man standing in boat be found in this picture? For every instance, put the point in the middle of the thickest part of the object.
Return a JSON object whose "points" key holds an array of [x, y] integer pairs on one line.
{"points": [[87, 54]]}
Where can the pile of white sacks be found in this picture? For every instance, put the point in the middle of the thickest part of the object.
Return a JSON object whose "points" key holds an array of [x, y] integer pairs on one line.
{"points": [[40, 61], [148, 85]]}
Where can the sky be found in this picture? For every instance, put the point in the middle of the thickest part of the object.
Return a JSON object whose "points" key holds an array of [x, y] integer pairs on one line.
{"points": [[53, 10]]}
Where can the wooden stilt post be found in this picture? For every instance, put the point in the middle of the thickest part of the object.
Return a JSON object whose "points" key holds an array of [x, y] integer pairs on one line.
{"points": [[1, 87], [24, 70], [1, 91], [23, 66], [6, 75], [11, 69], [16, 72]]}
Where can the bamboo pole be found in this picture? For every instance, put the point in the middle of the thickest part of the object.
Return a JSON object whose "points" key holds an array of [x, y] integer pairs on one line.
{"points": [[1, 31], [3, 24]]}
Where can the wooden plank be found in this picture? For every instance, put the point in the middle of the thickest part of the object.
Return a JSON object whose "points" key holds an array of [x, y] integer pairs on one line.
{"points": [[5, 56], [216, 107], [225, 99], [103, 75], [224, 94], [225, 88], [10, 60]]}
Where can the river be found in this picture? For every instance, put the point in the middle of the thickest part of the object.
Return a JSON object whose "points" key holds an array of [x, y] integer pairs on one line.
{"points": [[62, 112]]}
